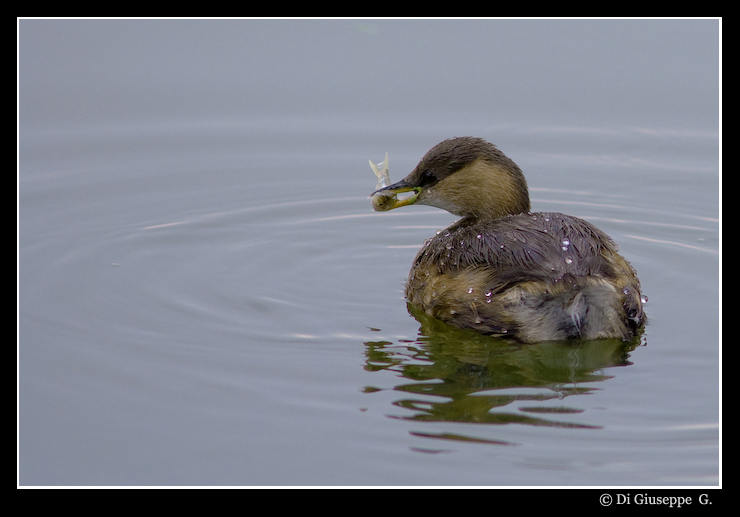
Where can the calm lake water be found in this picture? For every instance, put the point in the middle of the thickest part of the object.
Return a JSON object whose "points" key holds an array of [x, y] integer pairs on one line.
{"points": [[205, 296]]}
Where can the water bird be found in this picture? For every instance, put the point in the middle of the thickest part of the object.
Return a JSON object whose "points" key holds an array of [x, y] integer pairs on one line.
{"points": [[504, 270]]}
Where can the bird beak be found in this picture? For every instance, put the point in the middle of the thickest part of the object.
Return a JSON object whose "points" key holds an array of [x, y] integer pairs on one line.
{"points": [[386, 198]]}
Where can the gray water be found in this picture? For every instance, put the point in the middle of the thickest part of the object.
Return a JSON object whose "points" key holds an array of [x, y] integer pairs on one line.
{"points": [[205, 296]]}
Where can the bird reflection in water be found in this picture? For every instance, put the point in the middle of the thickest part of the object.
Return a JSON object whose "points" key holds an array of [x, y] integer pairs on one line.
{"points": [[455, 375]]}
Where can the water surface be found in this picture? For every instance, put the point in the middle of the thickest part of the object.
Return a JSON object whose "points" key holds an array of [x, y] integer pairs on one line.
{"points": [[207, 298]]}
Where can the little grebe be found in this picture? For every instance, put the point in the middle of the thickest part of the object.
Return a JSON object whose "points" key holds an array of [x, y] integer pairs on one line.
{"points": [[501, 269]]}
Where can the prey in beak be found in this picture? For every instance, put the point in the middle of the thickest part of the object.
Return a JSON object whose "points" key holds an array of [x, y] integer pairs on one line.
{"points": [[385, 196]]}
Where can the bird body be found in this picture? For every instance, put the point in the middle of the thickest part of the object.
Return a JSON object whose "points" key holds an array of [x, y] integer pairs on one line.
{"points": [[501, 269]]}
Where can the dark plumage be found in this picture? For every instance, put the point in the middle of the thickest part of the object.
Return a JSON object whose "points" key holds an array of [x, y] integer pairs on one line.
{"points": [[503, 270]]}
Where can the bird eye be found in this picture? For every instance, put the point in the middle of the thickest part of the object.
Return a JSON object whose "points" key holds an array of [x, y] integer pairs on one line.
{"points": [[428, 178]]}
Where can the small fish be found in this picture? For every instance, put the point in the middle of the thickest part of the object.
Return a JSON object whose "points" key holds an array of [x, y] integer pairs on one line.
{"points": [[382, 202], [381, 171]]}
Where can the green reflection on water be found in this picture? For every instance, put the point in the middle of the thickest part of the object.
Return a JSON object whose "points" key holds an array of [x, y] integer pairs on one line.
{"points": [[454, 375]]}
